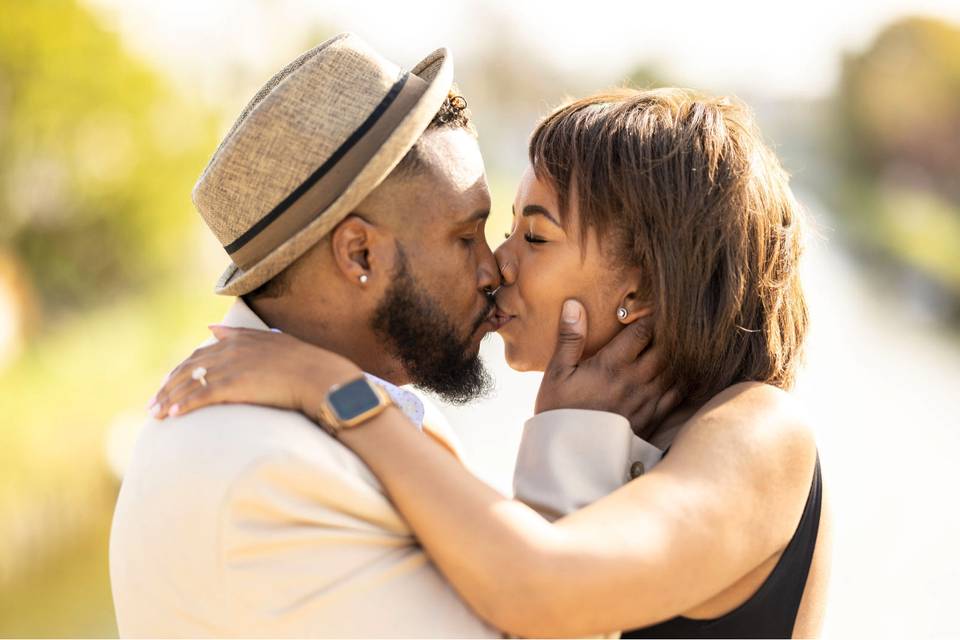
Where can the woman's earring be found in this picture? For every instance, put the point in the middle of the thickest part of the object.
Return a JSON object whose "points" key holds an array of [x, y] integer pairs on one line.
{"points": [[363, 278], [622, 313]]}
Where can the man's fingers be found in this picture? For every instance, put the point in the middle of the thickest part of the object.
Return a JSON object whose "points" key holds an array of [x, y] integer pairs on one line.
{"points": [[649, 365], [627, 345], [667, 403], [572, 336], [655, 400]]}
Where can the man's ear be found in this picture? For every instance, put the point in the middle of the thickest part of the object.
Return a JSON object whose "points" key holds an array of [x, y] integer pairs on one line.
{"points": [[357, 247]]}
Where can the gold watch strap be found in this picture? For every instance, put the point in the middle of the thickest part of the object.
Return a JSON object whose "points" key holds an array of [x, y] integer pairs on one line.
{"points": [[332, 424]]}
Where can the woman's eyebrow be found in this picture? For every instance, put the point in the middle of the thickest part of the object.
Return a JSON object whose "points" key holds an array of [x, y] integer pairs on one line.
{"points": [[537, 210]]}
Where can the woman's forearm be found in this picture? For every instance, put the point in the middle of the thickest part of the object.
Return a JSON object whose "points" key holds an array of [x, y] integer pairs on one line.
{"points": [[491, 548], [653, 548]]}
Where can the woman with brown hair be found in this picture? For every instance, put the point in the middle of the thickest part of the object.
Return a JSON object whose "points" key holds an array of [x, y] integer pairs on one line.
{"points": [[663, 205]]}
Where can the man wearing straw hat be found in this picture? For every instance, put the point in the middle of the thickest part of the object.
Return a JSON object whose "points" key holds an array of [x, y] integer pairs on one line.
{"points": [[351, 199]]}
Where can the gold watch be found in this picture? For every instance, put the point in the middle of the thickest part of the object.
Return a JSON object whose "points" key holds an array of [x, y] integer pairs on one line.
{"points": [[351, 404]]}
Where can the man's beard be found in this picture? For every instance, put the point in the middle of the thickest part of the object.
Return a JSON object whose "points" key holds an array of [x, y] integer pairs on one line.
{"points": [[427, 343]]}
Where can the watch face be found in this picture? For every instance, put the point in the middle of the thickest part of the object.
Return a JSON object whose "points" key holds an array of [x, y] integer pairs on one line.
{"points": [[353, 399]]}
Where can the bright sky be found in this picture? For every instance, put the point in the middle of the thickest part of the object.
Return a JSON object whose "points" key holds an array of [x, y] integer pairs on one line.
{"points": [[773, 49]]}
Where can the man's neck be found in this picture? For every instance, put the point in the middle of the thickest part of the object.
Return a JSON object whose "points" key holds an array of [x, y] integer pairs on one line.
{"points": [[349, 337]]}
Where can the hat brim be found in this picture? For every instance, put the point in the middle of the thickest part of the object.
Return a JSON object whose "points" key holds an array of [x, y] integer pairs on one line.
{"points": [[437, 71]]}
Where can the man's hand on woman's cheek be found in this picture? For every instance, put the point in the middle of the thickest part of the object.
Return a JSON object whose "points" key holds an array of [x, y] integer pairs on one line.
{"points": [[625, 377]]}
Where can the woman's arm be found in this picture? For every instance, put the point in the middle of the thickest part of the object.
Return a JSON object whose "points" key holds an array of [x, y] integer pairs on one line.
{"points": [[725, 500], [722, 503]]}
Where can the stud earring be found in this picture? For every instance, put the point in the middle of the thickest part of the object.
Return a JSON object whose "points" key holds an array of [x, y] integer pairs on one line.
{"points": [[622, 313], [363, 278]]}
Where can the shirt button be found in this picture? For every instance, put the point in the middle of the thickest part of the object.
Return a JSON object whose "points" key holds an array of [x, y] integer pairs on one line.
{"points": [[636, 470]]}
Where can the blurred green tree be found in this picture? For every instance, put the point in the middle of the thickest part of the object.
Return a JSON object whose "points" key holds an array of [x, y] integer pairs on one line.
{"points": [[897, 140], [899, 105], [97, 156], [648, 75]]}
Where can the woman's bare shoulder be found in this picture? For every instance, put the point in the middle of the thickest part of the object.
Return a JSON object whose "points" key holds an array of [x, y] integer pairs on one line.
{"points": [[752, 415], [755, 441], [757, 428]]}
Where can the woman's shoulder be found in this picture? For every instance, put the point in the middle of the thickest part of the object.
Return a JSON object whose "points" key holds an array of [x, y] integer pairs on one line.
{"points": [[756, 439], [755, 417], [758, 429]]}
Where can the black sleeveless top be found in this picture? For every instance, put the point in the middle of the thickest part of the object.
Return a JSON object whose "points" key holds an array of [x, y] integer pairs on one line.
{"points": [[772, 610]]}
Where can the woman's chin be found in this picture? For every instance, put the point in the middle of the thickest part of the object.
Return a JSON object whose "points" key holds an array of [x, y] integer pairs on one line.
{"points": [[520, 366], [518, 360]]}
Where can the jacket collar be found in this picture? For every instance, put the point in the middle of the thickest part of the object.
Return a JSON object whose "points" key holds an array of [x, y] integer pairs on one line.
{"points": [[242, 316]]}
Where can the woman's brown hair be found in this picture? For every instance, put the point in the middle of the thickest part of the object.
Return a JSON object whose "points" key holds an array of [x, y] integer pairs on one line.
{"points": [[682, 187]]}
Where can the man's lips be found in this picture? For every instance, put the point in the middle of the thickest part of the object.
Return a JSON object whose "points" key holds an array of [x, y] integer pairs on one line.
{"points": [[495, 319], [487, 323], [500, 318]]}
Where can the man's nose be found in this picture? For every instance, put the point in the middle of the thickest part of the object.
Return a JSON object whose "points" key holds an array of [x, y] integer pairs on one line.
{"points": [[488, 275], [506, 264]]}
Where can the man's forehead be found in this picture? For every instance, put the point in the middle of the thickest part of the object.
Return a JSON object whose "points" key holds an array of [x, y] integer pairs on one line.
{"points": [[446, 206], [454, 186], [453, 159], [449, 186]]}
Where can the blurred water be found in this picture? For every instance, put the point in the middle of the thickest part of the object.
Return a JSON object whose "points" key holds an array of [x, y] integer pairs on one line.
{"points": [[882, 387]]}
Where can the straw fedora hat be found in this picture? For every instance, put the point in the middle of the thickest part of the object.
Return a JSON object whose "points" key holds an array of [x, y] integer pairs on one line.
{"points": [[308, 148]]}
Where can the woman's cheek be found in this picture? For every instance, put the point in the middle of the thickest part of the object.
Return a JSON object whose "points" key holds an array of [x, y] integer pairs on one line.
{"points": [[540, 341], [529, 343], [522, 353], [601, 328], [544, 285], [544, 343]]}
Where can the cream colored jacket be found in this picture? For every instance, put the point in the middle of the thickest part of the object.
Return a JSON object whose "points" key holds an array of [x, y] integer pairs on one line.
{"points": [[238, 520]]}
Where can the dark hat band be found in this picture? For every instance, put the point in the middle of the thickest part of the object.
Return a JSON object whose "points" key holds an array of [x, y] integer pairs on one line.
{"points": [[325, 185]]}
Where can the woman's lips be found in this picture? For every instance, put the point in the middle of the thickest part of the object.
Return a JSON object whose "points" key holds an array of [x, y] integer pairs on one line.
{"points": [[500, 318]]}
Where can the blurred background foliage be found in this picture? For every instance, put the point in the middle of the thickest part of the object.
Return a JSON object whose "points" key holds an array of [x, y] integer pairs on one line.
{"points": [[106, 272], [95, 154], [898, 150], [97, 158]]}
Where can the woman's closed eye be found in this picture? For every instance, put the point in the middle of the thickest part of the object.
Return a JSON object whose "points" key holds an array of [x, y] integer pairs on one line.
{"points": [[532, 239], [528, 236]]}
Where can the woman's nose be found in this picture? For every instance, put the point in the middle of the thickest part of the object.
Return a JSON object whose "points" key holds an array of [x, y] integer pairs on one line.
{"points": [[507, 263]]}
